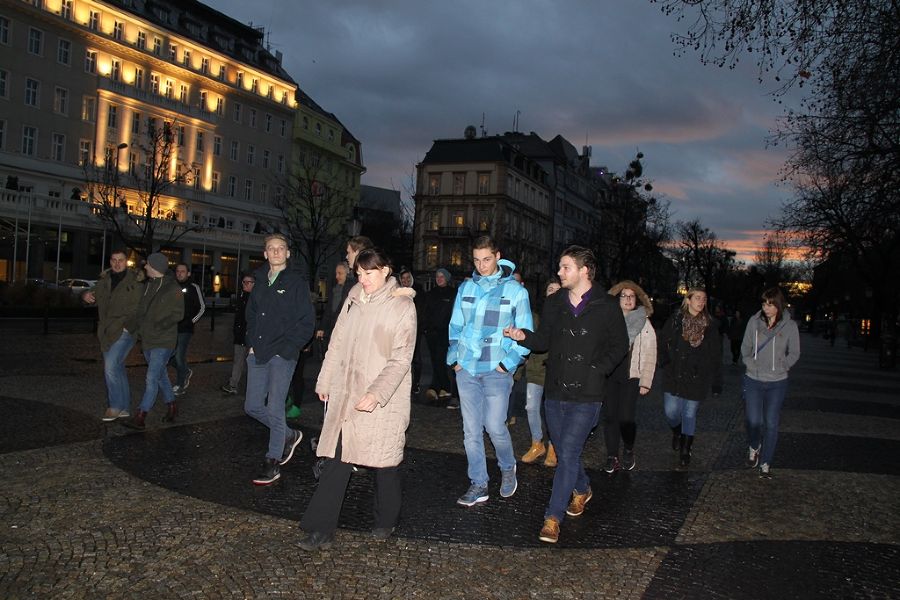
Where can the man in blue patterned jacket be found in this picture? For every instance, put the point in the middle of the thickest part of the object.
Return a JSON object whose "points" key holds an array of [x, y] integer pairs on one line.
{"points": [[485, 361]]}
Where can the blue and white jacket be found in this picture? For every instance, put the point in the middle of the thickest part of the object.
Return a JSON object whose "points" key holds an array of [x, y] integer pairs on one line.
{"points": [[484, 306]]}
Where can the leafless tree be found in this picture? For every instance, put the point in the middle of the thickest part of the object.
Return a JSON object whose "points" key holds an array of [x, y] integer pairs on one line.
{"points": [[131, 204], [634, 228], [317, 208], [703, 260], [845, 136]]}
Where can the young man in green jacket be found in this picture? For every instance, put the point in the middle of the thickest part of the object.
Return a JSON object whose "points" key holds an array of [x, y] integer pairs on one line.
{"points": [[156, 323], [116, 296]]}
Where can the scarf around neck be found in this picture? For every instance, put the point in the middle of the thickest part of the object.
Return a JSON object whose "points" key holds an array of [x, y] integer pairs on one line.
{"points": [[634, 321], [693, 328]]}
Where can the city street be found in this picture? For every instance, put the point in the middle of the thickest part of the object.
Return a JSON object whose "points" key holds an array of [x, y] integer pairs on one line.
{"points": [[93, 510]]}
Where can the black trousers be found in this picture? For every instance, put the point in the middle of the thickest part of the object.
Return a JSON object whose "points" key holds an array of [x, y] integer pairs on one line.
{"points": [[324, 508], [440, 372], [619, 409]]}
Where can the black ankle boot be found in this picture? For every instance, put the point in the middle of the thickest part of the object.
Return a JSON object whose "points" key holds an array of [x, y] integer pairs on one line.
{"points": [[687, 440], [676, 438], [171, 412]]}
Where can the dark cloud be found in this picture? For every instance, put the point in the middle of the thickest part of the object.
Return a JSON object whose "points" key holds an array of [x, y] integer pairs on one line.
{"points": [[402, 73]]}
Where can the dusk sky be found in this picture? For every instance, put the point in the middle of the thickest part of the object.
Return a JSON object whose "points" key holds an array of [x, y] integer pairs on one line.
{"points": [[401, 73]]}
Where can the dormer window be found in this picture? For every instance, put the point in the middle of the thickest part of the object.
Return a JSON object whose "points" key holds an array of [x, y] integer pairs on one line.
{"points": [[161, 13]]}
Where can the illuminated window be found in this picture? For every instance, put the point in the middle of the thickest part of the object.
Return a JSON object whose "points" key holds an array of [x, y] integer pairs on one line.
{"points": [[141, 42], [90, 61], [431, 256], [484, 183], [88, 109], [94, 20], [84, 152], [434, 184]]}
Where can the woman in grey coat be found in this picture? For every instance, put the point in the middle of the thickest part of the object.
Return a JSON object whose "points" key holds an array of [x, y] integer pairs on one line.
{"points": [[770, 348]]}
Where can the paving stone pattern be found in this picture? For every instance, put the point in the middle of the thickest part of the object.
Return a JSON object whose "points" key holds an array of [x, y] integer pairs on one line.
{"points": [[91, 510]]}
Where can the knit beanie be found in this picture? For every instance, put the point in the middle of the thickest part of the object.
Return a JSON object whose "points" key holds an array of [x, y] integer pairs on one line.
{"points": [[159, 262]]}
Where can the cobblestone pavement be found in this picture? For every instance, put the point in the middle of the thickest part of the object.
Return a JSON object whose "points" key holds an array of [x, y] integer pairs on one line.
{"points": [[90, 510]]}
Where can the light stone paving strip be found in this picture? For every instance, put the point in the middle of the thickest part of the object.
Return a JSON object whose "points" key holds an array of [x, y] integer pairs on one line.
{"points": [[796, 505]]}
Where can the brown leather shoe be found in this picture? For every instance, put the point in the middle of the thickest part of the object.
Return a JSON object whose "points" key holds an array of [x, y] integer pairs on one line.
{"points": [[536, 451], [576, 506], [171, 412], [550, 460], [137, 421], [550, 531]]}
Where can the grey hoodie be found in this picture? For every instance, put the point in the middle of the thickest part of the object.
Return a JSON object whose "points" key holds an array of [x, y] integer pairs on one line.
{"points": [[770, 361]]}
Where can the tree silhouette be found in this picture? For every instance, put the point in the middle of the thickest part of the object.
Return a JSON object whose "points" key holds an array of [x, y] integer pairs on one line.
{"points": [[317, 208], [131, 204]]}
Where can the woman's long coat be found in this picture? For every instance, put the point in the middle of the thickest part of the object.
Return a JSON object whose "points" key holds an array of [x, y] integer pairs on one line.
{"points": [[370, 350]]}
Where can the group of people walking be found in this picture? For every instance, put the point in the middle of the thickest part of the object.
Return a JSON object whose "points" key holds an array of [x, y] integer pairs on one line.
{"points": [[590, 354]]}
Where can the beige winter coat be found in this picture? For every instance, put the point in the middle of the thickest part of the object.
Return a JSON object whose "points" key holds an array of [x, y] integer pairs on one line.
{"points": [[370, 350], [643, 348], [643, 356]]}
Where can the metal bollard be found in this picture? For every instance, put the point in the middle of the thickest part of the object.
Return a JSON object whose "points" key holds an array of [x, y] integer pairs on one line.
{"points": [[212, 316]]}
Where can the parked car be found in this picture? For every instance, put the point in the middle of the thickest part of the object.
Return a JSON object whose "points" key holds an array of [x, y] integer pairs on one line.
{"points": [[77, 286], [42, 283]]}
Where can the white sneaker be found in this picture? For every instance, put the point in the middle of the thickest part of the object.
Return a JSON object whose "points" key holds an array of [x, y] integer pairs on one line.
{"points": [[764, 472], [753, 457]]}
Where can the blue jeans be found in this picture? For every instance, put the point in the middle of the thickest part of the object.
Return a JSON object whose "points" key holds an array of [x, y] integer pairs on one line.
{"points": [[157, 378], [483, 400], [569, 423], [271, 380], [117, 390], [179, 359], [681, 410], [764, 400], [533, 394]]}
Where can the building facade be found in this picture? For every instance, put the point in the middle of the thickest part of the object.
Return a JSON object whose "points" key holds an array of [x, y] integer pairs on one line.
{"points": [[83, 83], [322, 189], [481, 186]]}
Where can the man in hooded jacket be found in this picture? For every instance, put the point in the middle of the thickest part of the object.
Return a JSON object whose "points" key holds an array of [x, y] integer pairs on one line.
{"points": [[485, 361], [156, 324]]}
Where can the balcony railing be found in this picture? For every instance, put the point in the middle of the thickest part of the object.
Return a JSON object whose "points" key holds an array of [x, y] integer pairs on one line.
{"points": [[129, 91], [455, 232]]}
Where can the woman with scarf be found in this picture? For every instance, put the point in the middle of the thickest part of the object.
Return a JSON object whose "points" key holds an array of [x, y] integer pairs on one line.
{"points": [[691, 352], [770, 348], [621, 400]]}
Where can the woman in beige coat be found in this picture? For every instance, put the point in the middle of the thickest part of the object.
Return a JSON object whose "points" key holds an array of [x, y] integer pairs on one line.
{"points": [[366, 381], [624, 391]]}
